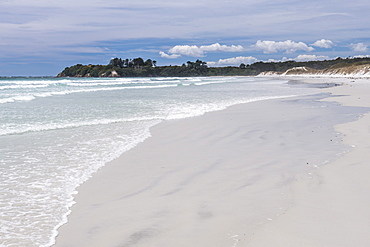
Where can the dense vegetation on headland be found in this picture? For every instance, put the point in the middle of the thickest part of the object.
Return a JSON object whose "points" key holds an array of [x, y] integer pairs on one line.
{"points": [[137, 67]]}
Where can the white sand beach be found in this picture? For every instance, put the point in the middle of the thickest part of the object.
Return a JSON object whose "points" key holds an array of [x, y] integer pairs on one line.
{"points": [[254, 174], [332, 207]]}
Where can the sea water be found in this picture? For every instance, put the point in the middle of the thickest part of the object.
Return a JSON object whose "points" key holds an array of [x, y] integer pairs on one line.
{"points": [[56, 132]]}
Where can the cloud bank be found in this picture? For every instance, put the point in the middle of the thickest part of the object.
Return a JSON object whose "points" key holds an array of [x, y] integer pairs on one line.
{"points": [[199, 51], [359, 47], [234, 61], [165, 55], [288, 46], [303, 58], [323, 43]]}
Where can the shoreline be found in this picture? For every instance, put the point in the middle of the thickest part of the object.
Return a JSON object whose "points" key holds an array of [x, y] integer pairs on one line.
{"points": [[210, 213]]}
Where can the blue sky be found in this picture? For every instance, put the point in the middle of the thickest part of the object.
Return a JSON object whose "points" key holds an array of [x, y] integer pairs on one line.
{"points": [[42, 37]]}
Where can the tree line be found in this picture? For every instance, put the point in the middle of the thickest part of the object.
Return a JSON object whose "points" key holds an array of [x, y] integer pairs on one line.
{"points": [[138, 67], [131, 63]]}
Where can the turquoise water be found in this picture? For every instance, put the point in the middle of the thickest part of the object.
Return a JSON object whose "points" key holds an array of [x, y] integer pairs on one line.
{"points": [[56, 132]]}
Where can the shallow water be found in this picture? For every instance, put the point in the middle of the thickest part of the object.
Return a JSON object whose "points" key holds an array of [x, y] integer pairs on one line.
{"points": [[56, 132]]}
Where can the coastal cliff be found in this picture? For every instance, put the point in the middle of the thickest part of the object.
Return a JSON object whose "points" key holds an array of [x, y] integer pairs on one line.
{"points": [[336, 71]]}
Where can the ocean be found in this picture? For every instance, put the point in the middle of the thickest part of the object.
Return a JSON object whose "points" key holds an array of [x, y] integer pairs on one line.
{"points": [[56, 132]]}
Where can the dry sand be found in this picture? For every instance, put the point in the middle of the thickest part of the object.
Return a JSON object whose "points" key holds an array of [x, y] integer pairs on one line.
{"points": [[245, 176], [333, 208]]}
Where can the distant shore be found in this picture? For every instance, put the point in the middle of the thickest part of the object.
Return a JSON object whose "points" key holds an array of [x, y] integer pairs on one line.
{"points": [[250, 175], [117, 67]]}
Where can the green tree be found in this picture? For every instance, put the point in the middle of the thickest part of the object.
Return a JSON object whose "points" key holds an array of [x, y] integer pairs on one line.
{"points": [[138, 62], [148, 63], [117, 62]]}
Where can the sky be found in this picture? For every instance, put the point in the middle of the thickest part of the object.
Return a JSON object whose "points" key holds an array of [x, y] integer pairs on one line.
{"points": [[42, 37]]}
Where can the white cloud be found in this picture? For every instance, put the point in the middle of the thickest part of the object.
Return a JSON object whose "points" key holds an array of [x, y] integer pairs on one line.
{"points": [[288, 46], [199, 51], [165, 55], [234, 61], [187, 50], [272, 60], [361, 56], [359, 47], [223, 48], [323, 43], [301, 58], [249, 60]]}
